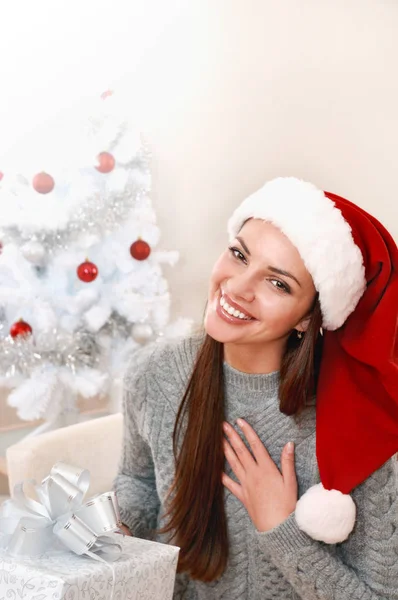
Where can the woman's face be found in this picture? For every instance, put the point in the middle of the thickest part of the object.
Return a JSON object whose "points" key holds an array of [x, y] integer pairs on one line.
{"points": [[262, 280]]}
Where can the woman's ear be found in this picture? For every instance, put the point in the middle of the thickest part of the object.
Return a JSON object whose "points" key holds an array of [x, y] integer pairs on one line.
{"points": [[304, 323]]}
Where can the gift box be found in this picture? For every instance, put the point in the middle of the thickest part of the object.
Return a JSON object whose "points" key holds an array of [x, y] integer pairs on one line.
{"points": [[144, 570], [56, 545]]}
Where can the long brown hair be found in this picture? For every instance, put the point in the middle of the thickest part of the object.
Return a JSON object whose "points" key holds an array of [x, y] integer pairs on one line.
{"points": [[195, 515]]}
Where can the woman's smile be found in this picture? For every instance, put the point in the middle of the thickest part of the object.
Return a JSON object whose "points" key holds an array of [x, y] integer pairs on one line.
{"points": [[231, 312]]}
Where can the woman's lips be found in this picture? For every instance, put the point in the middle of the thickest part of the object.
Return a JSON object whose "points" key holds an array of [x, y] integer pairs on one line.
{"points": [[223, 314], [235, 305]]}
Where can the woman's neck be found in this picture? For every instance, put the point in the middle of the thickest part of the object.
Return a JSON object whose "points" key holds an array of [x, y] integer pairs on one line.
{"points": [[253, 358]]}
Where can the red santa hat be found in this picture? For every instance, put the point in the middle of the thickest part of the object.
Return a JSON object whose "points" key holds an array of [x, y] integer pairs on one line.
{"points": [[353, 261]]}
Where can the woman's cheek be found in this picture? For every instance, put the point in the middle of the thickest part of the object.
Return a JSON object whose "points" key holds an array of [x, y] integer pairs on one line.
{"points": [[275, 310], [221, 270]]}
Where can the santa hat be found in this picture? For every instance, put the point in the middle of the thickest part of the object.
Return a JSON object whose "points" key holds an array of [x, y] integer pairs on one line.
{"points": [[353, 261]]}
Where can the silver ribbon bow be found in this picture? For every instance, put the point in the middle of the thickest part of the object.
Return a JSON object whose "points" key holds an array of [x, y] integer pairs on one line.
{"points": [[30, 528]]}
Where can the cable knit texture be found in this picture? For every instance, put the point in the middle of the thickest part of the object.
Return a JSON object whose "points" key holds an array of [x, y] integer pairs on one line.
{"points": [[284, 563]]}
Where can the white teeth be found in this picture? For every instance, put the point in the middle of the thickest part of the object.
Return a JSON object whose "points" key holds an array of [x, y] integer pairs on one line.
{"points": [[233, 311]]}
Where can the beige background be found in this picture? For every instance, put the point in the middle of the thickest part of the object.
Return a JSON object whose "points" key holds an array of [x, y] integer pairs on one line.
{"points": [[234, 92], [242, 91]]}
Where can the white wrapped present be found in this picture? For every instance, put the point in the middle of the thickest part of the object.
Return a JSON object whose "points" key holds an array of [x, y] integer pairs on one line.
{"points": [[144, 570], [61, 546]]}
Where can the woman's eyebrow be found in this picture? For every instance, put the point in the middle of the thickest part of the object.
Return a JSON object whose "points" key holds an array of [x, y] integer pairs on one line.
{"points": [[273, 269], [282, 272], [245, 248]]}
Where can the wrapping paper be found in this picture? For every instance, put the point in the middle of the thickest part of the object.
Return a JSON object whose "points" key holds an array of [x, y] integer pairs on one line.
{"points": [[144, 570]]}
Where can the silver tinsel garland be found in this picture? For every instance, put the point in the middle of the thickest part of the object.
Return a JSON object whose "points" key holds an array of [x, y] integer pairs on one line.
{"points": [[21, 355], [117, 326], [97, 215]]}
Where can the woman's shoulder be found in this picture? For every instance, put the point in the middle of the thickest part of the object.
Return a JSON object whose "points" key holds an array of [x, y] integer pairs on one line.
{"points": [[164, 361], [379, 492], [375, 536]]}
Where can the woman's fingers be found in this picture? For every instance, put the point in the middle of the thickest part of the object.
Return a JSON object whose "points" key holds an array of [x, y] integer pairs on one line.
{"points": [[242, 453], [233, 461], [260, 452], [125, 530], [233, 487], [288, 467]]}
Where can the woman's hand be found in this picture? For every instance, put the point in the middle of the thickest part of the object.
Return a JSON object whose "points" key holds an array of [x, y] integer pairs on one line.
{"points": [[268, 495], [125, 530]]}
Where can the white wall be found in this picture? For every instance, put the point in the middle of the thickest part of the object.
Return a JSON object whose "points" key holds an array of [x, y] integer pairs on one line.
{"points": [[234, 92]]}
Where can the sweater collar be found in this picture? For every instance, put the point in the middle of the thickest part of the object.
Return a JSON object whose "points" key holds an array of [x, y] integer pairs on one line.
{"points": [[267, 383]]}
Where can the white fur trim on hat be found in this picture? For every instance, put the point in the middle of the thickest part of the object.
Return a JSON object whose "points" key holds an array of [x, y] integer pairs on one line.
{"points": [[321, 235], [326, 515]]}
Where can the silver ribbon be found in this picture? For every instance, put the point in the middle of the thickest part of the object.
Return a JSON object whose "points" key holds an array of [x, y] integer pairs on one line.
{"points": [[60, 517]]}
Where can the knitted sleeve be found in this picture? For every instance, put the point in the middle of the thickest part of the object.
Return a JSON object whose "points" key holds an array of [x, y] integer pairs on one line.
{"points": [[135, 482], [364, 567]]}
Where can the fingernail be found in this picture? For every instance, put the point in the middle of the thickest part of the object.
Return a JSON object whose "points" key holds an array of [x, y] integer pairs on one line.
{"points": [[290, 447], [225, 426], [240, 422]]}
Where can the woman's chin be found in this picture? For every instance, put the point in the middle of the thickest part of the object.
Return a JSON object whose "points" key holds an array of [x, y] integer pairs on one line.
{"points": [[218, 329]]}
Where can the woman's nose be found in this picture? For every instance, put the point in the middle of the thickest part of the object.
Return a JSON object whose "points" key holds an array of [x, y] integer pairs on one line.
{"points": [[242, 286]]}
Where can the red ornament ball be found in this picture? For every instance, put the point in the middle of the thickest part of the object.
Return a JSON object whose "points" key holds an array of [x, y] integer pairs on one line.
{"points": [[106, 94], [87, 271], [43, 183], [20, 329], [106, 162], [140, 250]]}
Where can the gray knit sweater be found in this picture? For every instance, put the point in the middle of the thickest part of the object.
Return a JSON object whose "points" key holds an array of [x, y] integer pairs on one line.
{"points": [[284, 563]]}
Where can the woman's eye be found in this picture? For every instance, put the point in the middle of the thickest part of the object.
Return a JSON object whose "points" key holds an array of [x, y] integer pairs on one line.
{"points": [[280, 285], [237, 253]]}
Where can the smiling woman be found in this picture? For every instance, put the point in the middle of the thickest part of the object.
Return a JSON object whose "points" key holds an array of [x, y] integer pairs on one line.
{"points": [[229, 433], [278, 299]]}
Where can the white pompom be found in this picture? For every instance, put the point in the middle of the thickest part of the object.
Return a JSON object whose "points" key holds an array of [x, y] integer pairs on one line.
{"points": [[326, 515]]}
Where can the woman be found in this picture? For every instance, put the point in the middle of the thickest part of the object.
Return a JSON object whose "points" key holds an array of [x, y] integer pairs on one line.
{"points": [[282, 407]]}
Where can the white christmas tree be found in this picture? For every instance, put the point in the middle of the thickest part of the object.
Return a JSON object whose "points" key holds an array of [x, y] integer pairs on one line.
{"points": [[81, 283]]}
